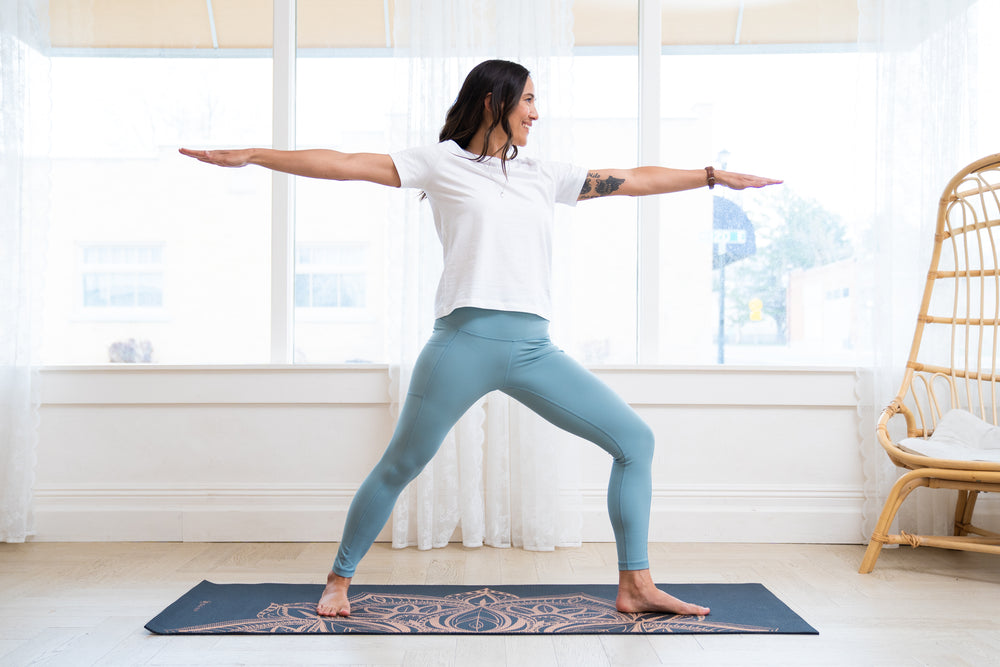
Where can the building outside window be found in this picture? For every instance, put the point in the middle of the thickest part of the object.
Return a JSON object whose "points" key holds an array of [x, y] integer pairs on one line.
{"points": [[331, 276], [122, 278]]}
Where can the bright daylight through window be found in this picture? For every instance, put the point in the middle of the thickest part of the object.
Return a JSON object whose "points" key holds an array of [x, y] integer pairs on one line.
{"points": [[154, 259]]}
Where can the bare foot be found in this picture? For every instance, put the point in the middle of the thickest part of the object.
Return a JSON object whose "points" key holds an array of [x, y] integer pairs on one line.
{"points": [[334, 600], [637, 593]]}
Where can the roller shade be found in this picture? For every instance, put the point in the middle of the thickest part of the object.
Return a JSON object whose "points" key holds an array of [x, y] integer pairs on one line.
{"points": [[246, 24]]}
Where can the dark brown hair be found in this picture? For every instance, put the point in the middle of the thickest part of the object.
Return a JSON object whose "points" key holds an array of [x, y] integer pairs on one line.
{"points": [[504, 82]]}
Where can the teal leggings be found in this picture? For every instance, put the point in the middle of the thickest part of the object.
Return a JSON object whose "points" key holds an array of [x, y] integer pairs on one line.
{"points": [[471, 353]]}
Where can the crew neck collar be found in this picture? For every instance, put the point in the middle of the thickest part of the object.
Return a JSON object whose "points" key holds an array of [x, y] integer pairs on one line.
{"points": [[458, 150]]}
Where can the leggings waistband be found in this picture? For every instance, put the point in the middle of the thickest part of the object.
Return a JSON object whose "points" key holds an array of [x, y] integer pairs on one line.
{"points": [[500, 324]]}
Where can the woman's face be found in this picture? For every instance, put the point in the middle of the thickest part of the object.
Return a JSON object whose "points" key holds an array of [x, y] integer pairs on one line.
{"points": [[523, 115]]}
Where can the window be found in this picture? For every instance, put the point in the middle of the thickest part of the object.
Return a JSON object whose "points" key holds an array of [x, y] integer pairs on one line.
{"points": [[739, 112], [334, 321], [595, 263], [340, 227], [127, 88], [329, 277], [123, 278], [740, 85]]}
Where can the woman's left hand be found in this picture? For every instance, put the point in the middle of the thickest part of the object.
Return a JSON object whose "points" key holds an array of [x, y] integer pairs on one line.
{"points": [[221, 158], [735, 181]]}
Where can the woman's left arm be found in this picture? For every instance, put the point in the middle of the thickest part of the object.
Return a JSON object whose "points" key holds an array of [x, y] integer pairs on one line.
{"points": [[661, 180]]}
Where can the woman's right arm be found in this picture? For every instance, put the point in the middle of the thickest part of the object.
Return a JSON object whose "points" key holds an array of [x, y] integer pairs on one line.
{"points": [[314, 163]]}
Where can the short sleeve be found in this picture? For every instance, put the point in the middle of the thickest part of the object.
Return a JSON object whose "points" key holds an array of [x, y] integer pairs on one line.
{"points": [[568, 180], [416, 165]]}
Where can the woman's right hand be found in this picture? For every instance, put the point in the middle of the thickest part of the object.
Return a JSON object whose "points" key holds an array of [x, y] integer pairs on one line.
{"points": [[221, 158], [313, 163]]}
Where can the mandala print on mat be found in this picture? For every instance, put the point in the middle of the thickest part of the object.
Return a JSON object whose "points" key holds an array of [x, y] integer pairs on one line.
{"points": [[484, 611]]}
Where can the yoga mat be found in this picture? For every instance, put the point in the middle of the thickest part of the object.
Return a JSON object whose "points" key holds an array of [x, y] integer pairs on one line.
{"points": [[210, 608]]}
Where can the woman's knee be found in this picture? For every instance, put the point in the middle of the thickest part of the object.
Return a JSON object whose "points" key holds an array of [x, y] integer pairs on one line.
{"points": [[408, 453], [398, 471], [637, 443], [413, 444]]}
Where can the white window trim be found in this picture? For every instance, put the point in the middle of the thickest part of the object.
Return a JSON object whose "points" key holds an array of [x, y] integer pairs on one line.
{"points": [[648, 232], [283, 186]]}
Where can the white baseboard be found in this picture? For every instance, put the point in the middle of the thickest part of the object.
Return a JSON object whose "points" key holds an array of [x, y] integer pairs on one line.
{"points": [[821, 515], [258, 513], [236, 513]]}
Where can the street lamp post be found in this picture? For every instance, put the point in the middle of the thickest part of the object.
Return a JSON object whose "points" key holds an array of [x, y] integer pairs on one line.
{"points": [[722, 316], [723, 159]]}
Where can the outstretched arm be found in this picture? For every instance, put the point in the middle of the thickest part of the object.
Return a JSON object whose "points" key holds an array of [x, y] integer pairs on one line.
{"points": [[661, 180], [315, 163]]}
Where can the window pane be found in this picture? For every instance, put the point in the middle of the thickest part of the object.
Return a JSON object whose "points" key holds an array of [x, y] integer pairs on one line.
{"points": [[339, 226], [122, 291], [95, 290], [303, 293], [325, 290], [787, 115], [149, 290], [595, 250], [352, 291], [123, 194]]}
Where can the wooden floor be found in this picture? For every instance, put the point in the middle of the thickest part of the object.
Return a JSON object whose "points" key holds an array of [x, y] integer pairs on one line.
{"points": [[84, 604]]}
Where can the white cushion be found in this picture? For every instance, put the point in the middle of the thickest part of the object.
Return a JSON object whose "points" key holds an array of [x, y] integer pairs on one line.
{"points": [[960, 436]]}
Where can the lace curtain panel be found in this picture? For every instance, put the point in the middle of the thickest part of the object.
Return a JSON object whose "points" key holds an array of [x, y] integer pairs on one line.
{"points": [[927, 84], [23, 175], [494, 477]]}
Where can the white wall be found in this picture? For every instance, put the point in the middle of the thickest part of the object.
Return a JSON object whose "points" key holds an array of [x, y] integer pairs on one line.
{"points": [[276, 453]]}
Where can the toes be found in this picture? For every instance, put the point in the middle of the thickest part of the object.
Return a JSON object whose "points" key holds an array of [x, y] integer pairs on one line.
{"points": [[694, 610], [333, 609], [660, 604]]}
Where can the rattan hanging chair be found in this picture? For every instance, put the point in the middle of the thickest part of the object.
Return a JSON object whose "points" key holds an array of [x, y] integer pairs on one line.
{"points": [[953, 365]]}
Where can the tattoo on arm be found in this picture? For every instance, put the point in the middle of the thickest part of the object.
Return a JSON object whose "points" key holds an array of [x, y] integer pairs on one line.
{"points": [[595, 186]]}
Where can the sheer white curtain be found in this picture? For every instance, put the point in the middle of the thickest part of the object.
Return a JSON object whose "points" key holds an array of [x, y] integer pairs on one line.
{"points": [[497, 476], [23, 175], [927, 76]]}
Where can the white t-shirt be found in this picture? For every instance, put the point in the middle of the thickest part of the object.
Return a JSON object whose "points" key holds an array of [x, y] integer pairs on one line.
{"points": [[496, 232]]}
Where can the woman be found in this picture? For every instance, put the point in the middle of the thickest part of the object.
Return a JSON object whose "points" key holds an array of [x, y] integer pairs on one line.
{"points": [[493, 212]]}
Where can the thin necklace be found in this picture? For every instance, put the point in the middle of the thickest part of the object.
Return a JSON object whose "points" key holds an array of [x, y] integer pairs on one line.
{"points": [[493, 167], [493, 164]]}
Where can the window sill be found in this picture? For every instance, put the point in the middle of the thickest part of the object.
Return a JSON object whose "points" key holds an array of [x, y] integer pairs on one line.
{"points": [[369, 384]]}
